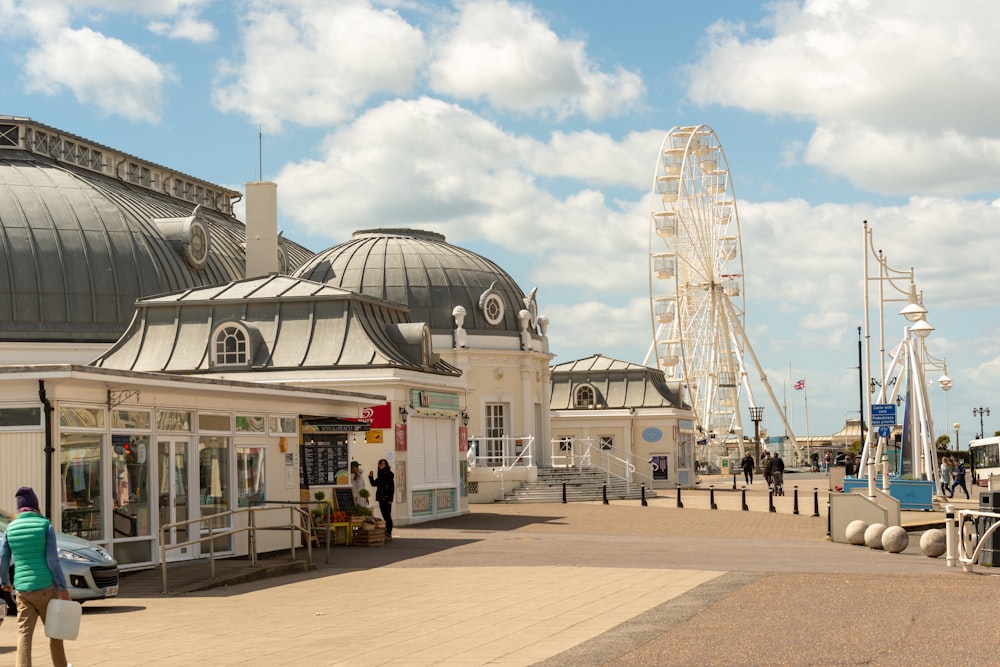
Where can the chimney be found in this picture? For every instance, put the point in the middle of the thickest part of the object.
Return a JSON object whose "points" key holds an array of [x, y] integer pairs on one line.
{"points": [[262, 229]]}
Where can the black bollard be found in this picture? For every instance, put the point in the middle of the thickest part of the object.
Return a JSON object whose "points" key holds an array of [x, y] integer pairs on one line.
{"points": [[734, 480], [711, 498], [815, 501], [644, 503], [770, 502], [604, 493], [564, 493], [746, 507], [795, 493], [680, 505]]}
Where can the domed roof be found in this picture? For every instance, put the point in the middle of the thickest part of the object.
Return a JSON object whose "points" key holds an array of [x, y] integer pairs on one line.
{"points": [[421, 270], [79, 246]]}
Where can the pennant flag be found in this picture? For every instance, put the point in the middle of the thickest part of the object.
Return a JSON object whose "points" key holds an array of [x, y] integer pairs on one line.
{"points": [[801, 384]]}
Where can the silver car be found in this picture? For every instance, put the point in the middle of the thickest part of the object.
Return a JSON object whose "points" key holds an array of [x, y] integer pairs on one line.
{"points": [[91, 573]]}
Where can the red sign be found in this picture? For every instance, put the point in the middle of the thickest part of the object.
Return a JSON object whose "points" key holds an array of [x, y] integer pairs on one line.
{"points": [[400, 437], [463, 439], [377, 416]]}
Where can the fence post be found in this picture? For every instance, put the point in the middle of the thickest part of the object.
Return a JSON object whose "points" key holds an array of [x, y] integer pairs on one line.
{"points": [[680, 505], [795, 494]]}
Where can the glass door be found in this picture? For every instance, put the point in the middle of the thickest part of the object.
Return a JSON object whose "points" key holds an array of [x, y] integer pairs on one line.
{"points": [[173, 465]]}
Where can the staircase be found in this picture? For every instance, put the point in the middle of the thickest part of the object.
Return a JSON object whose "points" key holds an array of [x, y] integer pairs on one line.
{"points": [[585, 484]]}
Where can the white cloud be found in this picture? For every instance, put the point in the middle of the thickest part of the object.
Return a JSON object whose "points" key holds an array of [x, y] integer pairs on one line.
{"points": [[185, 25], [901, 92], [314, 63], [505, 53], [101, 71]]}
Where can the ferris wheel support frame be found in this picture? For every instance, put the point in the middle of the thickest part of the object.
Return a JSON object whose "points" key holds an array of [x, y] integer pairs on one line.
{"points": [[738, 328]]}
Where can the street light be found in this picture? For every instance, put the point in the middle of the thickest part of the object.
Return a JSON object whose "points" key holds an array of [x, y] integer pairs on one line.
{"points": [[980, 411], [957, 446], [756, 415]]}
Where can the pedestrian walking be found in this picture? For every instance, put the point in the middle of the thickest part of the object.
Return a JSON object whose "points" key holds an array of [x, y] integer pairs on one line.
{"points": [[768, 467], [748, 465], [385, 491], [38, 579], [778, 474], [959, 477], [827, 460], [946, 477]]}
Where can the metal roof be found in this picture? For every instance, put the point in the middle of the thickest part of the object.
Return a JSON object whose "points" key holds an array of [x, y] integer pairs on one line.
{"points": [[79, 247], [424, 272], [290, 323], [618, 384]]}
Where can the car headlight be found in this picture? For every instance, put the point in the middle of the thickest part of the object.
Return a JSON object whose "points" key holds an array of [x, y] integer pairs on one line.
{"points": [[66, 554]]}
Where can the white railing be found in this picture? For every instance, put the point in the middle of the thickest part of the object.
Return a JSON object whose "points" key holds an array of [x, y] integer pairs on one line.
{"points": [[614, 462], [964, 543], [298, 523], [503, 453]]}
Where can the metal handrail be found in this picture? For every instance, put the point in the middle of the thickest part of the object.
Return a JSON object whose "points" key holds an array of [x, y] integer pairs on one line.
{"points": [[501, 452], [251, 529], [581, 453]]}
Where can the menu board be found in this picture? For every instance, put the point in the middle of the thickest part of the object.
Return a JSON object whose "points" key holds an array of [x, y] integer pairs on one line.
{"points": [[320, 463]]}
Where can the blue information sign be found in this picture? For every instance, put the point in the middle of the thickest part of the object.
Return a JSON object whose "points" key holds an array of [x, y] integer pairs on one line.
{"points": [[883, 414], [883, 431]]}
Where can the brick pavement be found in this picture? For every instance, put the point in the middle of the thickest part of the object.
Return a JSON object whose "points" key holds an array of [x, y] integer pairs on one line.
{"points": [[577, 584]]}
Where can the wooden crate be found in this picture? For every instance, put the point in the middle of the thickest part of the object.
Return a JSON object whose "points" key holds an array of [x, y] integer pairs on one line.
{"points": [[368, 538]]}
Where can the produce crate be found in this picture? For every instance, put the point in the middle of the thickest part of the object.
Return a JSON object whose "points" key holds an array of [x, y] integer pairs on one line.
{"points": [[375, 537]]}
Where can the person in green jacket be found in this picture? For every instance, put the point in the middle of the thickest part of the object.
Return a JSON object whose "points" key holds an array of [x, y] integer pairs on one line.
{"points": [[38, 579]]}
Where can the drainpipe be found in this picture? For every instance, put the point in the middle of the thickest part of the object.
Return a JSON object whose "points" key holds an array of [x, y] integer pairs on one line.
{"points": [[49, 450]]}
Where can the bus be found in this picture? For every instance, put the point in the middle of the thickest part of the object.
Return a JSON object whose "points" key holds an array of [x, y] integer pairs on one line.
{"points": [[985, 454]]}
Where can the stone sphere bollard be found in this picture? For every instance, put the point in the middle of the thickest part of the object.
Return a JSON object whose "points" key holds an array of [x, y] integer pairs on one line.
{"points": [[855, 532], [933, 543], [895, 539], [873, 535]]}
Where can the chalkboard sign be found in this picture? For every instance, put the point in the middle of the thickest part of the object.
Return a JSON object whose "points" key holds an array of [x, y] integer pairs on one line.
{"points": [[320, 463], [345, 498]]}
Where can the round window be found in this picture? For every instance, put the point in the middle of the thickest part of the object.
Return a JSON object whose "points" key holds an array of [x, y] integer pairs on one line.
{"points": [[493, 309]]}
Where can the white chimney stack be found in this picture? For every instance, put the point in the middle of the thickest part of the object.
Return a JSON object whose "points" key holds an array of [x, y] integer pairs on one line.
{"points": [[262, 229]]}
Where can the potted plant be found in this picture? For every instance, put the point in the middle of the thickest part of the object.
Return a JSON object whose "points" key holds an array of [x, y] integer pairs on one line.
{"points": [[365, 495]]}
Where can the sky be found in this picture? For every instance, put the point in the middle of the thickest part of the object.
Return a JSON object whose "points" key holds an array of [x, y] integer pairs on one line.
{"points": [[529, 133]]}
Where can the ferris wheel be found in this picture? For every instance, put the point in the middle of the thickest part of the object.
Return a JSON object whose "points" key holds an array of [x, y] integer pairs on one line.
{"points": [[697, 302]]}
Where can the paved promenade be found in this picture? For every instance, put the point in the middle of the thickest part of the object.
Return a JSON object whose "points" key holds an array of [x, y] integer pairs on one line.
{"points": [[567, 585]]}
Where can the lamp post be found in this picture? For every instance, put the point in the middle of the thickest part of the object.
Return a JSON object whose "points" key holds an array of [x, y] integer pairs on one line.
{"points": [[980, 411], [756, 415], [957, 446]]}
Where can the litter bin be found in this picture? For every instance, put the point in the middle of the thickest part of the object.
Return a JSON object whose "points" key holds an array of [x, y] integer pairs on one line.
{"points": [[989, 501]]}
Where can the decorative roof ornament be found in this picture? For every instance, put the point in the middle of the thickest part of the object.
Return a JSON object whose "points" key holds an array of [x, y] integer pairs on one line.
{"points": [[491, 304]]}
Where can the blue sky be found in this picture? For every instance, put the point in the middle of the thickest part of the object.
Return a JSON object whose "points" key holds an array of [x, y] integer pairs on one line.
{"points": [[528, 132]]}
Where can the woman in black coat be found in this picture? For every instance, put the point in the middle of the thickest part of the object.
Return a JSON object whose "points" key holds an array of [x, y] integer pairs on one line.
{"points": [[385, 491]]}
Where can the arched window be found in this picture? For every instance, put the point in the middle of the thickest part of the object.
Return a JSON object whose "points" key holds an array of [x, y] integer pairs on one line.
{"points": [[231, 346], [584, 396]]}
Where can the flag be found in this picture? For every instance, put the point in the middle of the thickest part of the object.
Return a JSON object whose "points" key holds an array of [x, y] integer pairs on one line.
{"points": [[801, 384]]}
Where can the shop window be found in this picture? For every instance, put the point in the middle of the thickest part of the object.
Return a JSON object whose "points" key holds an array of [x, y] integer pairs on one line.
{"points": [[80, 417], [173, 420], [213, 478], [130, 419], [80, 480], [250, 475], [283, 425], [130, 490], [20, 418], [250, 423], [214, 422]]}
